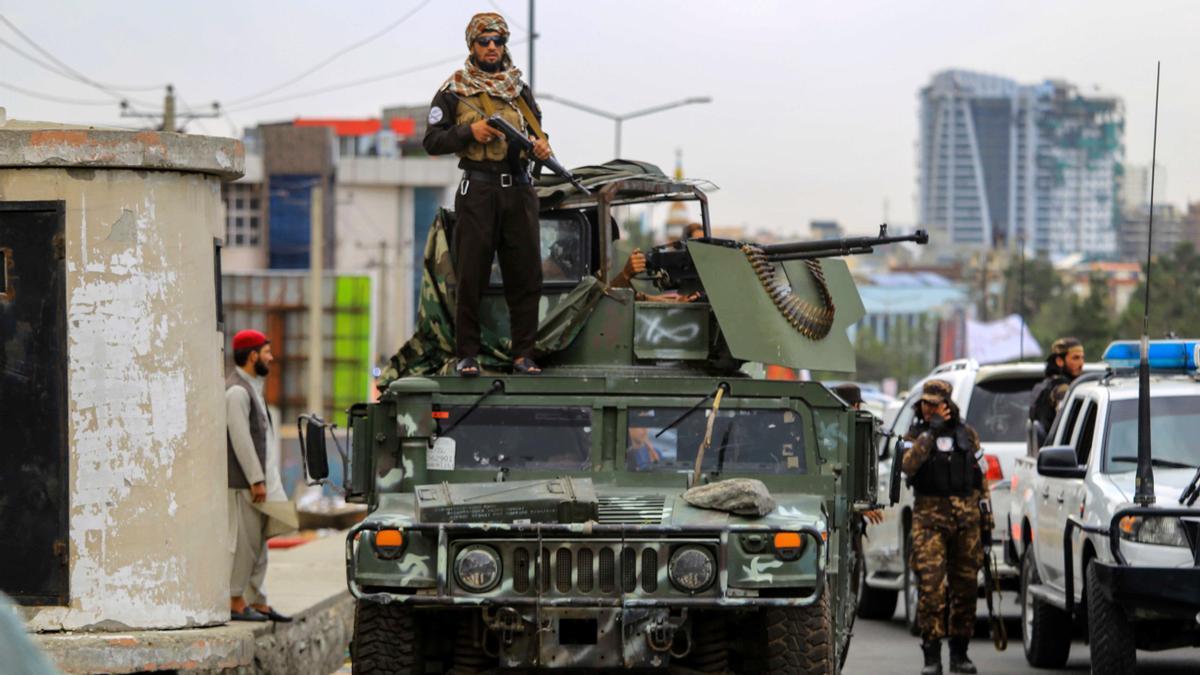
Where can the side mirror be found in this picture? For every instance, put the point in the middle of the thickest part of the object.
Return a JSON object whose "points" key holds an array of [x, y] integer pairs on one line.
{"points": [[1059, 461], [312, 448]]}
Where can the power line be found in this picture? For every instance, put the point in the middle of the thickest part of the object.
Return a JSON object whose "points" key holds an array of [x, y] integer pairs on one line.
{"points": [[336, 55], [359, 82], [52, 97], [68, 71]]}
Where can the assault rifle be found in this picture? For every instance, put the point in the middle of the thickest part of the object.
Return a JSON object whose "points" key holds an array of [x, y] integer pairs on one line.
{"points": [[670, 266], [522, 141]]}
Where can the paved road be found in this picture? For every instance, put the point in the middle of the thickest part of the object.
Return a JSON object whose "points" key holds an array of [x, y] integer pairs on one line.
{"points": [[885, 647]]}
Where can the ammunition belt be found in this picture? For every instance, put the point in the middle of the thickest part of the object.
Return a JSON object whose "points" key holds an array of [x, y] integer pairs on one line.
{"points": [[809, 320]]}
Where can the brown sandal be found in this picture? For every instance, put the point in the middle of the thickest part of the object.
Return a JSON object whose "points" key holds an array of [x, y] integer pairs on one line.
{"points": [[525, 366]]}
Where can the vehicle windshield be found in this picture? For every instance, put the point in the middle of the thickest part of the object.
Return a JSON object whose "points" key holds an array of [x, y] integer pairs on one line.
{"points": [[753, 441], [1174, 421], [525, 437], [999, 409]]}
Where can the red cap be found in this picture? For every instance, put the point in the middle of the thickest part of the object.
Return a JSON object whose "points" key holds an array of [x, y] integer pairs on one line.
{"points": [[248, 339]]}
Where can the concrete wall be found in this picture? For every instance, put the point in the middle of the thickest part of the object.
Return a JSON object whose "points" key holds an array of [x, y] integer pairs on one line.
{"points": [[147, 424]]}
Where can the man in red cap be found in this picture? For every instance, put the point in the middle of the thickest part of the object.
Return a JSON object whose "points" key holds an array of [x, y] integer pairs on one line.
{"points": [[253, 476]]}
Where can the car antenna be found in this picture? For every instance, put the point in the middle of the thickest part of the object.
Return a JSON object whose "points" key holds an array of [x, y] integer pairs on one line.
{"points": [[1021, 300], [1144, 481]]}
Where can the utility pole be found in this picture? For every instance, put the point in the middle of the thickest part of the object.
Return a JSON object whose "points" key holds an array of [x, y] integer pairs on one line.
{"points": [[316, 264], [532, 39], [170, 115]]}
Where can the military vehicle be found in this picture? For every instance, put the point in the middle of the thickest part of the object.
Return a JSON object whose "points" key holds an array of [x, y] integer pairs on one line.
{"points": [[560, 521]]}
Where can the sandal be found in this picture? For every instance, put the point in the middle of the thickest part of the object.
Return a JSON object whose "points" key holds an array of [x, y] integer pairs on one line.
{"points": [[467, 367], [525, 366]]}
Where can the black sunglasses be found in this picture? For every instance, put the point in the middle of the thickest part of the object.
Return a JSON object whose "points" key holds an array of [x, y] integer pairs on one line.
{"points": [[497, 40]]}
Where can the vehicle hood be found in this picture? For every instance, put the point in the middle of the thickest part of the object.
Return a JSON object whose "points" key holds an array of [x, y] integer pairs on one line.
{"points": [[1168, 484]]}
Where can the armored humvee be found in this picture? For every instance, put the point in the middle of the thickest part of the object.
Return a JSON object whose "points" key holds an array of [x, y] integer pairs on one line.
{"points": [[541, 522]]}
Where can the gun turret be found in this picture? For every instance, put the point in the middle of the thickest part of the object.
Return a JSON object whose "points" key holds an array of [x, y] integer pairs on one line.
{"points": [[670, 265]]}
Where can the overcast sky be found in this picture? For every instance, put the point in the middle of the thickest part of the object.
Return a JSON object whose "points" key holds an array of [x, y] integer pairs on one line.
{"points": [[814, 111]]}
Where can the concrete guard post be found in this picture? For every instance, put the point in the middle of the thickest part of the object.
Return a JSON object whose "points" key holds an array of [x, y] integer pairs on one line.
{"points": [[146, 438]]}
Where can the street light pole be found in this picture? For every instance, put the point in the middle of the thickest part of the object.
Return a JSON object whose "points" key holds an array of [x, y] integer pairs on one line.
{"points": [[618, 119]]}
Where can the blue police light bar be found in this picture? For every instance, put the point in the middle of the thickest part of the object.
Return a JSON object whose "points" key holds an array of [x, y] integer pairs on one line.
{"points": [[1174, 355]]}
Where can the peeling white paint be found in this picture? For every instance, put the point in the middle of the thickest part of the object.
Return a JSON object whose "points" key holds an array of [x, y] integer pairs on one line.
{"points": [[147, 518]]}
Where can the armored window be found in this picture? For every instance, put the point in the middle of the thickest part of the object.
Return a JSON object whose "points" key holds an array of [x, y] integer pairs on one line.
{"points": [[743, 440], [528, 437], [565, 249]]}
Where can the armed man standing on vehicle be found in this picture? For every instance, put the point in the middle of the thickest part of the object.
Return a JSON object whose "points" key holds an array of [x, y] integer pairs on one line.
{"points": [[948, 511], [496, 207], [1063, 365]]}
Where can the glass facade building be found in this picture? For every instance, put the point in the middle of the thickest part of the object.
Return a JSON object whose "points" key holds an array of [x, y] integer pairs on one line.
{"points": [[999, 161]]}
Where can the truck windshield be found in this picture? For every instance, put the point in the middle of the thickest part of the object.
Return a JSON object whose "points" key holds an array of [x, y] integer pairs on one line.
{"points": [[1175, 420], [517, 437], [998, 409], [754, 441]]}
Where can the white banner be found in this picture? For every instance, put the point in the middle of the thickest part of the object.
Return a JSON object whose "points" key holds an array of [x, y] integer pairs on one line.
{"points": [[997, 341]]}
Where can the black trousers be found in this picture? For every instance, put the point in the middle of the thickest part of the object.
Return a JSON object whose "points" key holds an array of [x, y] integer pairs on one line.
{"points": [[497, 221]]}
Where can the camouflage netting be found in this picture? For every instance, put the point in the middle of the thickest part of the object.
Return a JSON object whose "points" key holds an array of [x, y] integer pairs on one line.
{"points": [[431, 348]]}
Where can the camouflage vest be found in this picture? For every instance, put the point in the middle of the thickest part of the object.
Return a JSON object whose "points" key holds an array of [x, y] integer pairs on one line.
{"points": [[497, 150]]}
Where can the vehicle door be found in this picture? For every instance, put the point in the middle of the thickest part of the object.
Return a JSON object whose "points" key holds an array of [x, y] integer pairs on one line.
{"points": [[885, 540], [1068, 493], [1049, 523]]}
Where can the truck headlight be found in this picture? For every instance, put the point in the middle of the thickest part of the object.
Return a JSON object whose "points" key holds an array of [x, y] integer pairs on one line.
{"points": [[1160, 531], [477, 568], [692, 568]]}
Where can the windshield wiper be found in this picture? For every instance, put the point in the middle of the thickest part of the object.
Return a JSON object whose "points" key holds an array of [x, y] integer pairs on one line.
{"points": [[1156, 462], [497, 385], [693, 409]]}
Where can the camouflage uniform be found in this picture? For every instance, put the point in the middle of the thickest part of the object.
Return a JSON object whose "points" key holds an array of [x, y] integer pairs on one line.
{"points": [[947, 551]]}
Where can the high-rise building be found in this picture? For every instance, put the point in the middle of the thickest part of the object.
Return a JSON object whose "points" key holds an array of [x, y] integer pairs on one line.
{"points": [[999, 161]]}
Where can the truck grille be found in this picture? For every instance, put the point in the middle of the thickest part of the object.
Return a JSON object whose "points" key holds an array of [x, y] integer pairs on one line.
{"points": [[633, 510], [588, 568]]}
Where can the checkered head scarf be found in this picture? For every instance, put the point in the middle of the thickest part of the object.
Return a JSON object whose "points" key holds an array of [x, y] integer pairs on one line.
{"points": [[471, 80]]}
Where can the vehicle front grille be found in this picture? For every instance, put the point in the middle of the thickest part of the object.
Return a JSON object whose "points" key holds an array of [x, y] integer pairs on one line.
{"points": [[588, 568], [633, 510]]}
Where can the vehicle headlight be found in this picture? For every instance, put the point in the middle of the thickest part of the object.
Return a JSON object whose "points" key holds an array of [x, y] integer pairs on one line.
{"points": [[692, 568], [477, 568], [1160, 531]]}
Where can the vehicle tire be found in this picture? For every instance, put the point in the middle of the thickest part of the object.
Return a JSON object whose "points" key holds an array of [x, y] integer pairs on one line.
{"points": [[875, 603], [910, 589], [387, 640], [1110, 634], [800, 639], [1045, 629]]}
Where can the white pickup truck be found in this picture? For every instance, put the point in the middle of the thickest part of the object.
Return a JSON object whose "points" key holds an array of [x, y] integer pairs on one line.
{"points": [[1132, 575]]}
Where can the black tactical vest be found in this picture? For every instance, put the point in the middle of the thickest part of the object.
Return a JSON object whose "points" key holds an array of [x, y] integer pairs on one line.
{"points": [[954, 472]]}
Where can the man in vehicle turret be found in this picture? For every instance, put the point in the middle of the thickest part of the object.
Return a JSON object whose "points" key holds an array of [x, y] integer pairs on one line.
{"points": [[947, 552], [1063, 365], [496, 205]]}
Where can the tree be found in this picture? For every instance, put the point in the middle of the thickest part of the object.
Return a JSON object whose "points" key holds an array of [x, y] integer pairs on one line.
{"points": [[1091, 318], [1174, 297]]}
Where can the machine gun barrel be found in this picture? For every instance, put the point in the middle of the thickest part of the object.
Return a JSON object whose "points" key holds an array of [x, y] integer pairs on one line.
{"points": [[832, 248]]}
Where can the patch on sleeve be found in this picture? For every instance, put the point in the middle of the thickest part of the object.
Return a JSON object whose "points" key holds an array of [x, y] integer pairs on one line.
{"points": [[435, 115]]}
